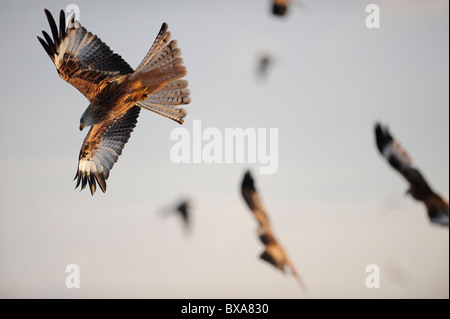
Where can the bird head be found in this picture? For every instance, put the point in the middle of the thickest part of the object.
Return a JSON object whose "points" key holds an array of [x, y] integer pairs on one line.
{"points": [[87, 119]]}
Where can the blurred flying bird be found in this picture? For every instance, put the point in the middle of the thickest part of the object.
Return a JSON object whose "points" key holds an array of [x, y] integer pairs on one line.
{"points": [[280, 7], [274, 252], [184, 210], [397, 157], [264, 63], [115, 91]]}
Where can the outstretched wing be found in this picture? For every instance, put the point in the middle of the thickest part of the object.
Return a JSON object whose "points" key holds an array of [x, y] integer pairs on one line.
{"points": [[419, 186], [277, 256], [274, 253], [438, 210], [437, 207], [398, 158], [102, 147], [80, 57], [391, 149], [253, 200]]}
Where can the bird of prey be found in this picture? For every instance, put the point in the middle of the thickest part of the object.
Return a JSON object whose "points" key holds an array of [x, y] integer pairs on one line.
{"points": [[279, 7], [397, 157], [184, 210], [115, 91], [264, 63], [274, 252]]}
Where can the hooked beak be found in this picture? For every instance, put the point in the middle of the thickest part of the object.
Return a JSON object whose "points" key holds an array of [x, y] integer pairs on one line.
{"points": [[81, 126]]}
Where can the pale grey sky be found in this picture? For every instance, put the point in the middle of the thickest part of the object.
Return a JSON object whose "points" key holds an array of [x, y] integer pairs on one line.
{"points": [[335, 204]]}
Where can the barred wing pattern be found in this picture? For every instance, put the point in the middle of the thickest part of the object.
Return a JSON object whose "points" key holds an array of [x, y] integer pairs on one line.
{"points": [[165, 55], [101, 149], [87, 63], [165, 102], [80, 57]]}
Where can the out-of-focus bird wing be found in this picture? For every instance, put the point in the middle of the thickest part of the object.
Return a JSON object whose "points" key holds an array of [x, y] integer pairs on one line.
{"points": [[391, 149], [253, 200], [399, 159], [274, 253], [438, 210]]}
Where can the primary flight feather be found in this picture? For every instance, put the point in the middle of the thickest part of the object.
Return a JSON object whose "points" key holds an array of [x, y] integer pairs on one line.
{"points": [[115, 91]]}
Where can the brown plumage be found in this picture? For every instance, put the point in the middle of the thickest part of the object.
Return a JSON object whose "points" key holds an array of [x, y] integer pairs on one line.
{"points": [[280, 7], [397, 157], [274, 253], [115, 91]]}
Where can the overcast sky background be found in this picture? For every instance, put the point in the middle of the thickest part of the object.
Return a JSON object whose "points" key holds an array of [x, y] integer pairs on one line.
{"points": [[334, 203]]}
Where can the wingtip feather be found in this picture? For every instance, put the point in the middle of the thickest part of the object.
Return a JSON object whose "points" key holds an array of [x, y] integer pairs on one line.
{"points": [[62, 25]]}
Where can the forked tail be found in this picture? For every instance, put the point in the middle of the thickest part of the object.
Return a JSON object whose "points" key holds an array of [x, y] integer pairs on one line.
{"points": [[159, 76]]}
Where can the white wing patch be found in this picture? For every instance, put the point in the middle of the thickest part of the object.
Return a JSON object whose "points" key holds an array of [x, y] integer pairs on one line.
{"points": [[394, 149], [96, 162]]}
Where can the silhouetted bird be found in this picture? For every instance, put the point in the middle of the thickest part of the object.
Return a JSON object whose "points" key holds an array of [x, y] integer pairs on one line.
{"points": [[397, 157], [182, 209], [263, 66], [274, 252], [279, 7]]}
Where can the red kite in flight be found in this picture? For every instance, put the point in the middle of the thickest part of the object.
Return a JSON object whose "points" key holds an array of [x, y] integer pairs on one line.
{"points": [[419, 189], [264, 63], [280, 7], [274, 252], [115, 91], [184, 210]]}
